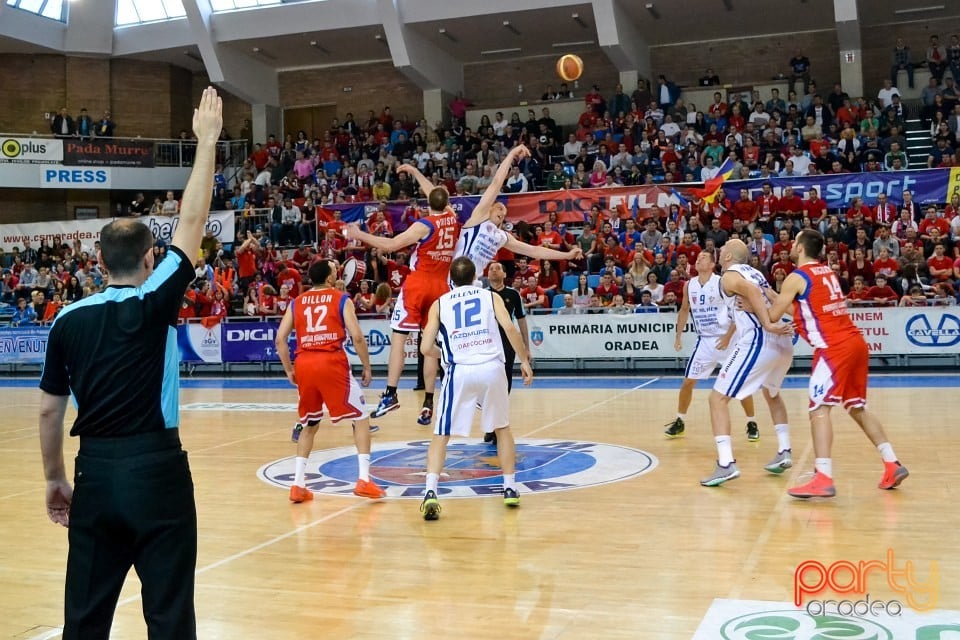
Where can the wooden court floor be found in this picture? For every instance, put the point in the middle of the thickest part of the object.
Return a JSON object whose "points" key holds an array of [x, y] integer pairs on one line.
{"points": [[640, 558]]}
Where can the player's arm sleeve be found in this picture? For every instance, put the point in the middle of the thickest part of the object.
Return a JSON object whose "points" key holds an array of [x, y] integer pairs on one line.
{"points": [[55, 380], [169, 281]]}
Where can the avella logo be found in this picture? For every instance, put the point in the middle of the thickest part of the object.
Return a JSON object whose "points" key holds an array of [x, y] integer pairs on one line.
{"points": [[922, 333]]}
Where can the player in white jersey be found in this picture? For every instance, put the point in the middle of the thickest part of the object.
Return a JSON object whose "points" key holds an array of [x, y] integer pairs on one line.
{"points": [[760, 358], [465, 321], [713, 323]]}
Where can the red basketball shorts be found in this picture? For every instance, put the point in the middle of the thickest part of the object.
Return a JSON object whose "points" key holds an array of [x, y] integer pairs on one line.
{"points": [[327, 386], [839, 375]]}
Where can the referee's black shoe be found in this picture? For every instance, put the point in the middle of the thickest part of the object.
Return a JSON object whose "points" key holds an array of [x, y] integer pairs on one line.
{"points": [[490, 438], [674, 429]]}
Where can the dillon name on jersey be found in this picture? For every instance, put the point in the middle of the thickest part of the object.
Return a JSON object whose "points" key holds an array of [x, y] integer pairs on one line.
{"points": [[469, 332], [745, 320], [709, 310]]}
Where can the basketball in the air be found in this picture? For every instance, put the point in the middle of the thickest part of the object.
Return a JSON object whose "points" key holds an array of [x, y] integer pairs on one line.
{"points": [[569, 67]]}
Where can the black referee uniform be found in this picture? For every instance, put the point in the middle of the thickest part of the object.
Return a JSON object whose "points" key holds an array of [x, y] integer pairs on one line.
{"points": [[133, 504], [514, 304]]}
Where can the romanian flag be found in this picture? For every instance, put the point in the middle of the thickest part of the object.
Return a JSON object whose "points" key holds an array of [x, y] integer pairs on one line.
{"points": [[711, 188], [683, 203]]}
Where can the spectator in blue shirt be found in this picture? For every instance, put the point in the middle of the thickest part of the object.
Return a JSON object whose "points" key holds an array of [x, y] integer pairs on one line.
{"points": [[24, 315]]}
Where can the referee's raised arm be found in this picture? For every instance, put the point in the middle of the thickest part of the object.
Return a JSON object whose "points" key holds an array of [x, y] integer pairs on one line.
{"points": [[207, 125]]}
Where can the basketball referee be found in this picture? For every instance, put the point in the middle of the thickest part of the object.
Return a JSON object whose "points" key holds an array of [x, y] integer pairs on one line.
{"points": [[496, 278], [116, 352]]}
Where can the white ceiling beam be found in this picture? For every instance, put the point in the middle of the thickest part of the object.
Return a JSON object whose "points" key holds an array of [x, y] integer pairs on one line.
{"points": [[307, 17], [428, 66], [619, 38], [90, 30], [153, 36], [238, 73], [420, 11], [28, 27]]}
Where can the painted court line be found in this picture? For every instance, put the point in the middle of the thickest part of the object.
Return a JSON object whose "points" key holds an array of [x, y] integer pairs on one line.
{"points": [[590, 407]]}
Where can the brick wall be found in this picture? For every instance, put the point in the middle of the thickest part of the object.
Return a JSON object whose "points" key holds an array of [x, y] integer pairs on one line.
{"points": [[373, 86], [750, 60], [235, 110], [493, 84], [31, 86], [878, 46]]}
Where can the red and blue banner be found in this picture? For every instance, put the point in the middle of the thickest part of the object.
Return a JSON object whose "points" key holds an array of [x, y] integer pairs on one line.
{"points": [[927, 185]]}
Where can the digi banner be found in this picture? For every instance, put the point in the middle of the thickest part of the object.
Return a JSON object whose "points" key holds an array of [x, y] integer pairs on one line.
{"points": [[108, 152], [88, 231]]}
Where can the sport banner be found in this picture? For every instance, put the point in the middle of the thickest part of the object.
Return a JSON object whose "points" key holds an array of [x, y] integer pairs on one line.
{"points": [[108, 152], [571, 206], [929, 186], [88, 231]]}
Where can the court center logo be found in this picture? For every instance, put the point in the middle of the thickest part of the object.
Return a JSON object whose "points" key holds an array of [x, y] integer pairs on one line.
{"points": [[471, 469], [797, 625], [923, 334]]}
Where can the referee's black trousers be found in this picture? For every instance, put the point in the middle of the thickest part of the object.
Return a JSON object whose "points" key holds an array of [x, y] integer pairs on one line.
{"points": [[132, 506]]}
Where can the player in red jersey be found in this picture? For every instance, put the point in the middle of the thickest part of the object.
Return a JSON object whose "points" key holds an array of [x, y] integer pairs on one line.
{"points": [[322, 318], [840, 363], [435, 237]]}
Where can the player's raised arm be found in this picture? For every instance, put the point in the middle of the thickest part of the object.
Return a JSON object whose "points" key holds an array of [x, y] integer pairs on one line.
{"points": [[412, 235], [207, 125], [481, 212], [422, 181], [541, 253], [513, 335]]}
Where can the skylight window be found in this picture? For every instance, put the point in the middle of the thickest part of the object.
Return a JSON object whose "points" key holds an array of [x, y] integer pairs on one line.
{"points": [[141, 11], [53, 9], [233, 5]]}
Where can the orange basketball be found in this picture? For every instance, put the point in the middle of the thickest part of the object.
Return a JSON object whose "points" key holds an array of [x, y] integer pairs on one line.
{"points": [[569, 67]]}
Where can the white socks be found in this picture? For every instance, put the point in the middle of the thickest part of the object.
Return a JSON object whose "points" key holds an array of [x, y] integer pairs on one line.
{"points": [[724, 451], [510, 481], [363, 462], [886, 452], [433, 479], [824, 466], [783, 437], [299, 478]]}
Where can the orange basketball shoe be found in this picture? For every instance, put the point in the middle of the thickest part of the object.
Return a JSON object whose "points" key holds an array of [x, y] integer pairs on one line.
{"points": [[820, 487], [893, 474], [368, 489], [300, 494]]}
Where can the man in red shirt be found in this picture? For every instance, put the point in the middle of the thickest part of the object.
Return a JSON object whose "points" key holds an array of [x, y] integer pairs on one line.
{"points": [[784, 243], [533, 295], [292, 279], [790, 207], [689, 248], [767, 206], [783, 263], [940, 265], [933, 220], [881, 291], [814, 208], [606, 289], [745, 209], [885, 212], [247, 260]]}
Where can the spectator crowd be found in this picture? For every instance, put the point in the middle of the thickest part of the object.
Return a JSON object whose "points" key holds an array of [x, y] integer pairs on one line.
{"points": [[894, 251]]}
